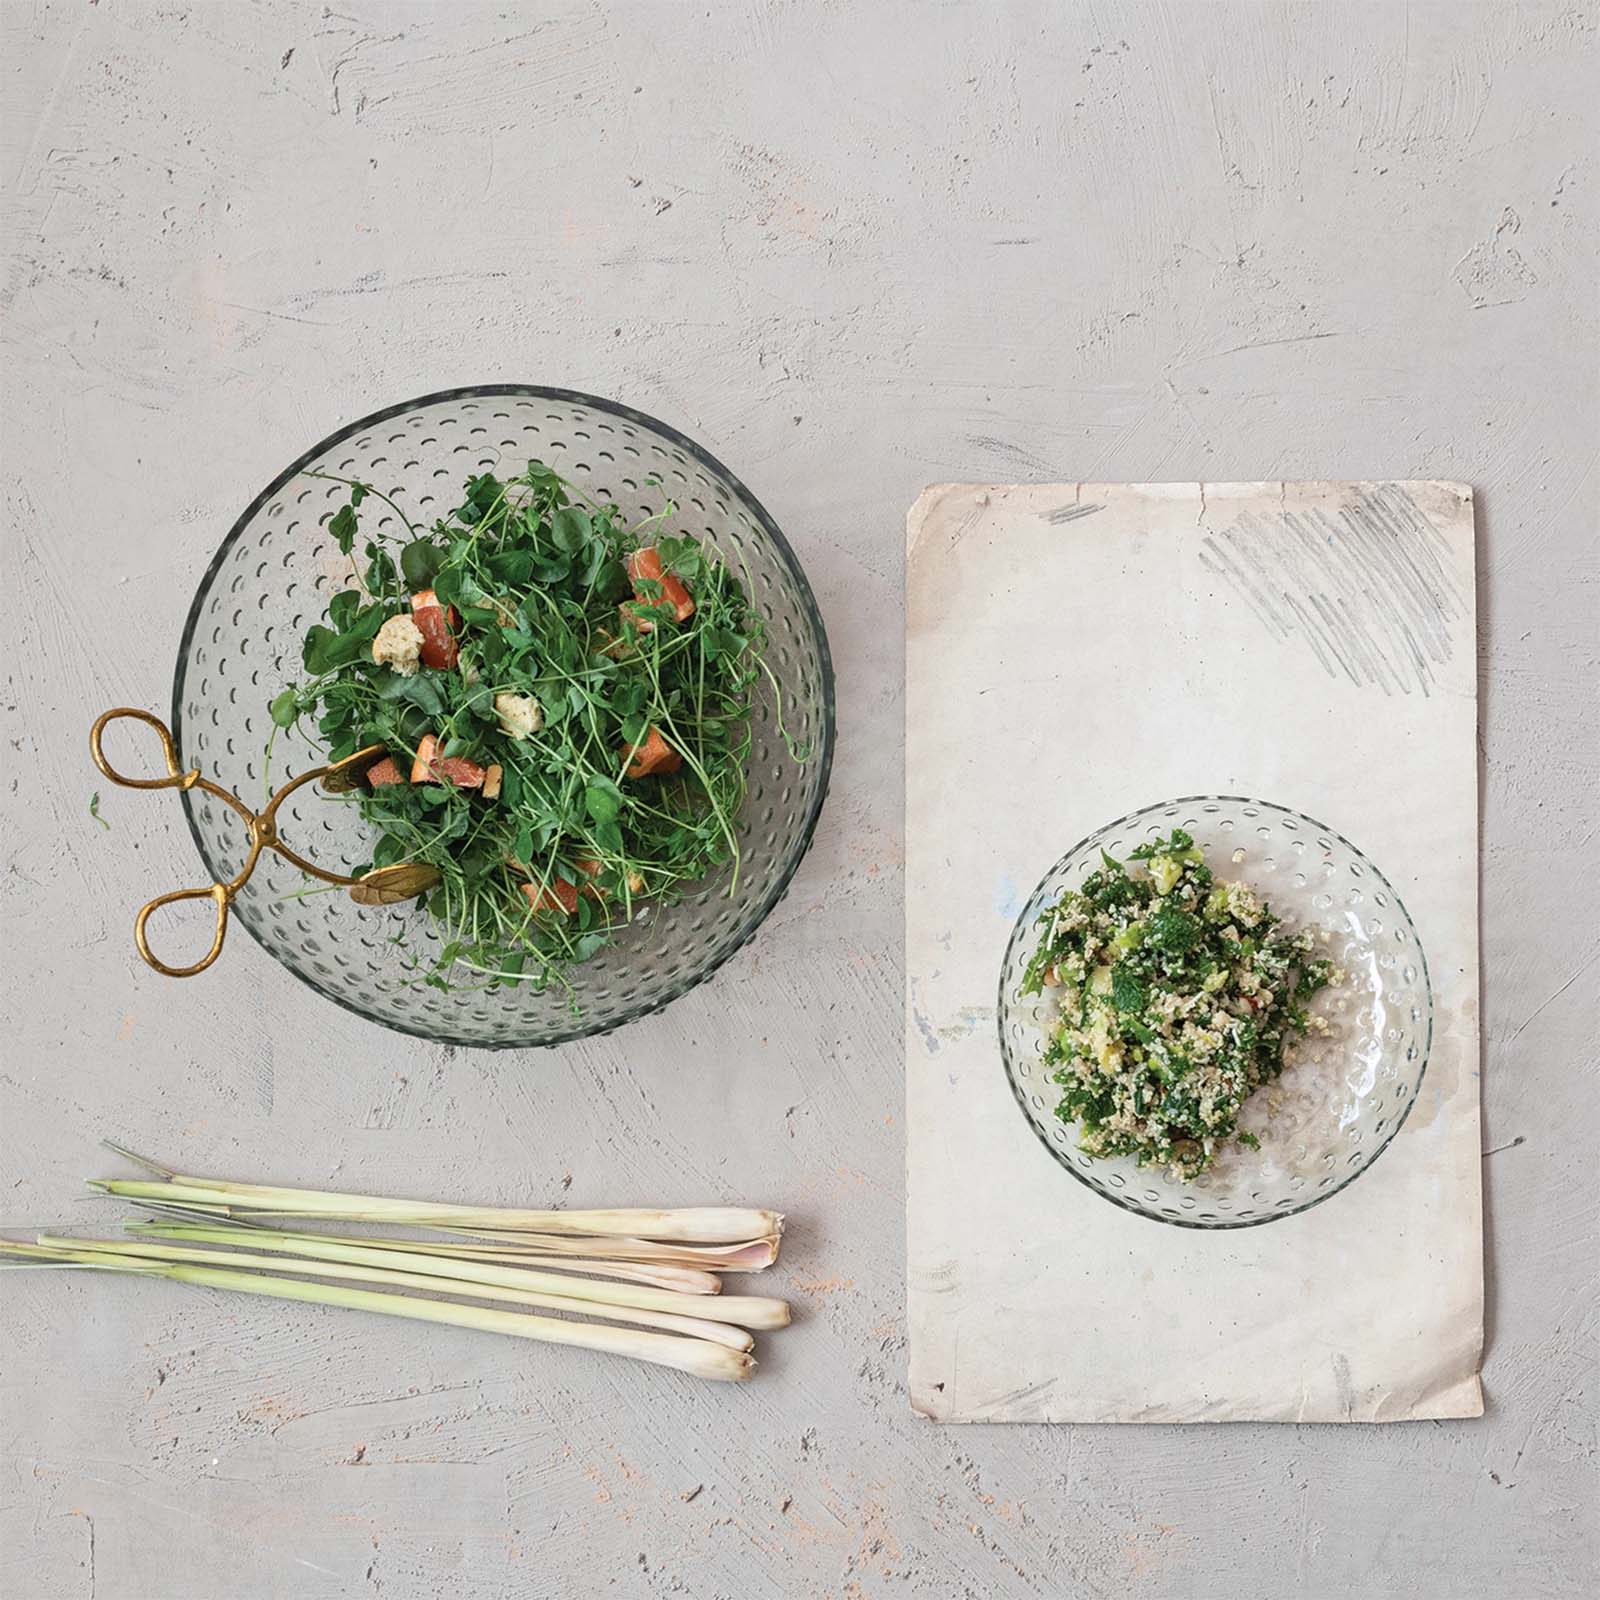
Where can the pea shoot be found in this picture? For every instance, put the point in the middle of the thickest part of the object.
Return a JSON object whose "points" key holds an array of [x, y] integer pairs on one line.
{"points": [[565, 702]]}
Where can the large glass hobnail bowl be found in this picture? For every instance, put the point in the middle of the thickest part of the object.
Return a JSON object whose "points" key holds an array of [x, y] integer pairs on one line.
{"points": [[1346, 1092], [272, 578]]}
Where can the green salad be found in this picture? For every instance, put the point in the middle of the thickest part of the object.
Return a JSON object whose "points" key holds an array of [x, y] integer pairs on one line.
{"points": [[1176, 995], [563, 704]]}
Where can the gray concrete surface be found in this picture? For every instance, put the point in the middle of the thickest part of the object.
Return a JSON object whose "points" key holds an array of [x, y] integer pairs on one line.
{"points": [[854, 248]]}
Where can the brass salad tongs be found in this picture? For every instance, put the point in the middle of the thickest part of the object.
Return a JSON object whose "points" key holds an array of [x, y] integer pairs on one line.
{"points": [[384, 886]]}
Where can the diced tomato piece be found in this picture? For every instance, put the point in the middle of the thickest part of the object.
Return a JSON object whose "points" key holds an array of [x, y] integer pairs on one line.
{"points": [[430, 767], [492, 776], [674, 593], [646, 563], [385, 771], [654, 755], [420, 768], [557, 896], [426, 598], [591, 869], [458, 770], [439, 648]]}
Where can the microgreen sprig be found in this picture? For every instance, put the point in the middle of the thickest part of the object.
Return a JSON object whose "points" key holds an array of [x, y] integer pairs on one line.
{"points": [[536, 575]]}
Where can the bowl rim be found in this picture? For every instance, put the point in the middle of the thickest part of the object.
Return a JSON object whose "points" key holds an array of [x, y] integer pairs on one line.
{"points": [[1061, 1157], [767, 525]]}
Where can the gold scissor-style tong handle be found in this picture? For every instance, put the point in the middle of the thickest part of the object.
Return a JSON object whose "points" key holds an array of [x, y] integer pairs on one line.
{"points": [[262, 827]]}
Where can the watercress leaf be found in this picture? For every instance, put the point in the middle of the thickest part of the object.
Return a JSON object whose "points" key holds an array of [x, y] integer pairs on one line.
{"points": [[420, 561], [421, 690], [512, 567], [612, 583], [342, 525], [364, 629], [285, 708], [629, 697], [321, 651], [602, 799], [551, 570], [483, 493], [723, 642], [569, 528], [381, 578]]}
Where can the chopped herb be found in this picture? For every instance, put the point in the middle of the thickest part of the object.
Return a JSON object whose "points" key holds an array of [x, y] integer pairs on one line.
{"points": [[1176, 997]]}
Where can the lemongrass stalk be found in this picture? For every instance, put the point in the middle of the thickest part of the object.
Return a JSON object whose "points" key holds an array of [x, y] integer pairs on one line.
{"points": [[751, 1255], [689, 1225], [686, 1280], [696, 1327], [746, 1311], [696, 1356]]}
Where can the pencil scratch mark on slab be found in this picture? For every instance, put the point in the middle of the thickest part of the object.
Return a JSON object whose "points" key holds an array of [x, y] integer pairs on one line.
{"points": [[1366, 588], [1071, 513], [1010, 452]]}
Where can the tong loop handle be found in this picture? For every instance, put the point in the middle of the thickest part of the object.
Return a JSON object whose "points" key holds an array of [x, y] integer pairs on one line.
{"points": [[176, 777], [217, 892]]}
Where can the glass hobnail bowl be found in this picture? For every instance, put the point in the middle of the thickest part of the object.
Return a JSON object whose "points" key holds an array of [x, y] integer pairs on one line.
{"points": [[271, 580], [1346, 1092]]}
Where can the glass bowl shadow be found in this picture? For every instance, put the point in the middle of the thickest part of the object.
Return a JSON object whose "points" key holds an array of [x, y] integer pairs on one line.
{"points": [[272, 578], [1347, 1092]]}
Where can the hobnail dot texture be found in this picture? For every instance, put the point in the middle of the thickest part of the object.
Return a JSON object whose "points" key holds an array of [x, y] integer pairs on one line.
{"points": [[272, 579], [1347, 1091]]}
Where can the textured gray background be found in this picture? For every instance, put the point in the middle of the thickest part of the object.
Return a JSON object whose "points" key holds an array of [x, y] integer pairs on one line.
{"points": [[854, 248]]}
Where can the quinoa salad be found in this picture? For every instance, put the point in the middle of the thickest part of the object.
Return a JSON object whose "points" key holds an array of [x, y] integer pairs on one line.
{"points": [[1175, 996]]}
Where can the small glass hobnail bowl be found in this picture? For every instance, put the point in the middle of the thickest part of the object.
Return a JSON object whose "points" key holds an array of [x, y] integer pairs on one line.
{"points": [[271, 580], [1345, 1094]]}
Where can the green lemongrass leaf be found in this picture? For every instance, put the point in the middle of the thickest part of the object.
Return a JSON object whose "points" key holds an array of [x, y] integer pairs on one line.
{"points": [[684, 1277], [688, 1225], [133, 1251], [745, 1311], [749, 1256], [697, 1356]]}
